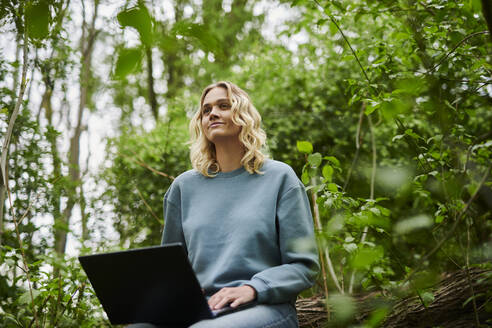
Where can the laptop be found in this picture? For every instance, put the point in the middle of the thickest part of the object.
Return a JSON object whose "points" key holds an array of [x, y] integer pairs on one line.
{"points": [[149, 285]]}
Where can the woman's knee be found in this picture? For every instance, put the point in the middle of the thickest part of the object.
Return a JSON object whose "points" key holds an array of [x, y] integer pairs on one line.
{"points": [[260, 316]]}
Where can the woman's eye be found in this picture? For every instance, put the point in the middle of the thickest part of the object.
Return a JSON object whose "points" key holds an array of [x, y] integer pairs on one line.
{"points": [[206, 110], [224, 106]]}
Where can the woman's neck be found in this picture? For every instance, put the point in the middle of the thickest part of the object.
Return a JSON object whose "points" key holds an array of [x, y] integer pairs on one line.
{"points": [[229, 155]]}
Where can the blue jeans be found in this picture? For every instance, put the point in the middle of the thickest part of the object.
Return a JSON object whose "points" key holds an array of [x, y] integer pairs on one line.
{"points": [[260, 316]]}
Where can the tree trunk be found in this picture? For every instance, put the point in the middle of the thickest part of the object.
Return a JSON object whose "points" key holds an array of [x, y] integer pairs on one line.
{"points": [[448, 308], [86, 48], [487, 14], [3, 194], [452, 306], [150, 84]]}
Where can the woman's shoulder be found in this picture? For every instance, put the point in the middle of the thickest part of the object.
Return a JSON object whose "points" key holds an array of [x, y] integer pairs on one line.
{"points": [[273, 166], [180, 183], [188, 177], [281, 170], [281, 175]]}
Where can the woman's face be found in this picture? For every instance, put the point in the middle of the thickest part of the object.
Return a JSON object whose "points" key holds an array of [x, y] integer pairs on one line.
{"points": [[217, 116]]}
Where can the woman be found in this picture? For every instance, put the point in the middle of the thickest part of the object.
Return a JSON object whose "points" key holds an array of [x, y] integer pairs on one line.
{"points": [[245, 220]]}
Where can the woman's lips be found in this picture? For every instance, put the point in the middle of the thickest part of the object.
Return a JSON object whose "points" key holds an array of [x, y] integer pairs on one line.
{"points": [[215, 124]]}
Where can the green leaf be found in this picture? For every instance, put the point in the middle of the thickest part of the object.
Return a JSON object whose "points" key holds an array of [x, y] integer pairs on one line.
{"points": [[476, 6], [332, 159], [350, 247], [377, 317], [412, 134], [371, 106], [327, 172], [375, 210], [128, 60], [297, 3], [38, 18], [469, 299], [343, 306], [25, 298], [367, 256], [315, 159], [305, 177], [139, 18], [12, 318], [427, 297], [332, 187], [333, 28], [397, 137], [321, 22], [206, 38], [305, 147]]}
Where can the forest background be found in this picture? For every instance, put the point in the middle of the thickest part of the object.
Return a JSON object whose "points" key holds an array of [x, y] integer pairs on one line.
{"points": [[381, 107]]}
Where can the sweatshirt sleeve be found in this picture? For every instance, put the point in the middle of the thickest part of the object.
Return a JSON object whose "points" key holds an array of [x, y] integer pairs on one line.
{"points": [[173, 230], [298, 251]]}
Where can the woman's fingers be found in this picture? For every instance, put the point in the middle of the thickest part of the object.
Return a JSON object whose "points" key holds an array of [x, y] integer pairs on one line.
{"points": [[234, 296], [237, 302], [221, 298], [224, 301]]}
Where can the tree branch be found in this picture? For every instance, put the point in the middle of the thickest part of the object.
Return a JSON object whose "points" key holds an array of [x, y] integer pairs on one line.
{"points": [[145, 165], [326, 252], [4, 161], [371, 193], [357, 145], [346, 40], [453, 228], [148, 207], [454, 49]]}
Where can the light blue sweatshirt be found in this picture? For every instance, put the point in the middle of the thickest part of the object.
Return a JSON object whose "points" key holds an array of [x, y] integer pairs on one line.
{"points": [[241, 228]]}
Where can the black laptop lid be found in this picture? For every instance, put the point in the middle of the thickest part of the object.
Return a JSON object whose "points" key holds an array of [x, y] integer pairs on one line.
{"points": [[153, 285]]}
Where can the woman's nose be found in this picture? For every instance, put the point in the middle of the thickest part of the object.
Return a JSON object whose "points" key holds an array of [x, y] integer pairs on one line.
{"points": [[214, 112]]}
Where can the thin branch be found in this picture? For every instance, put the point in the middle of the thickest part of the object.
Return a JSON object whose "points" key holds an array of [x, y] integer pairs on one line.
{"points": [[346, 40], [357, 146], [326, 251], [145, 165], [26, 212], [4, 162], [446, 253], [39, 310], [413, 143], [454, 49], [453, 228], [331, 270], [148, 207], [468, 152], [467, 81], [371, 193], [468, 277], [68, 303], [374, 157], [317, 220]]}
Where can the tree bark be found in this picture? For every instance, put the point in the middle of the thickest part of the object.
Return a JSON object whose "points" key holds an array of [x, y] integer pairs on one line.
{"points": [[86, 48], [451, 308], [448, 308], [150, 83], [2, 204], [487, 14]]}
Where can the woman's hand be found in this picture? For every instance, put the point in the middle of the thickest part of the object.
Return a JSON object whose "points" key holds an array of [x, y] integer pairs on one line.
{"points": [[233, 296]]}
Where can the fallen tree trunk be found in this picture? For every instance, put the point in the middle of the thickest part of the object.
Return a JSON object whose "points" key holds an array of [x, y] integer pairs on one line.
{"points": [[452, 305], [311, 312]]}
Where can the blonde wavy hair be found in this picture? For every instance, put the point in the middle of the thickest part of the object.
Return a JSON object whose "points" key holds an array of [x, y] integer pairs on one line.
{"points": [[202, 153]]}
